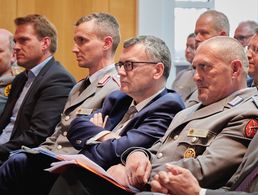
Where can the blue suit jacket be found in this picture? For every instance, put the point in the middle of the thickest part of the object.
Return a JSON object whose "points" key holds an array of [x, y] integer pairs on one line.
{"points": [[143, 130]]}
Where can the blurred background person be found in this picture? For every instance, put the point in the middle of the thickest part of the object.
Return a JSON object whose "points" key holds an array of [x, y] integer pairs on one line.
{"points": [[252, 54], [7, 58], [244, 31], [183, 83]]}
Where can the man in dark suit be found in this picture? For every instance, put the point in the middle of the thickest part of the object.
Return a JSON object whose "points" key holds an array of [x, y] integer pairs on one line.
{"points": [[38, 94], [177, 180], [143, 68]]}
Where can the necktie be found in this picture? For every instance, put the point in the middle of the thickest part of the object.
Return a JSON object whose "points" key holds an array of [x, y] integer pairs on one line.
{"points": [[85, 84], [128, 115], [243, 186]]}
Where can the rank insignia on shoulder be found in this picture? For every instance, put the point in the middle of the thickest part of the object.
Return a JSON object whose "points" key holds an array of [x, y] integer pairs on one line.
{"points": [[189, 153], [7, 90], [255, 100], [104, 80], [251, 128], [235, 101]]}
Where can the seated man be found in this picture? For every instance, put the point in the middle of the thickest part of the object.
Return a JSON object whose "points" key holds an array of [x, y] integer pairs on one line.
{"points": [[209, 138], [183, 83], [143, 78], [86, 96], [252, 54], [38, 94], [177, 180], [7, 58]]}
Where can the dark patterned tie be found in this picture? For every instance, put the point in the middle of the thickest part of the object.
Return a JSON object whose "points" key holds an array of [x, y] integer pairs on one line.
{"points": [[243, 186], [128, 115]]}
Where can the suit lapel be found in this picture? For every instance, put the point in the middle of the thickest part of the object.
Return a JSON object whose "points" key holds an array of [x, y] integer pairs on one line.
{"points": [[36, 83]]}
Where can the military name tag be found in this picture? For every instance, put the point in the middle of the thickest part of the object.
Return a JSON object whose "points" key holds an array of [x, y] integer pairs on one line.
{"points": [[83, 111], [197, 133], [189, 153]]}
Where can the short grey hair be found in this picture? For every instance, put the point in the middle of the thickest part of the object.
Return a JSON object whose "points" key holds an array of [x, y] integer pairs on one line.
{"points": [[220, 20], [155, 48]]}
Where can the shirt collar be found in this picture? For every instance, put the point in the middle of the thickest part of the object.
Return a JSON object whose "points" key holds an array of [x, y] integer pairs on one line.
{"points": [[143, 103], [96, 75], [36, 69]]}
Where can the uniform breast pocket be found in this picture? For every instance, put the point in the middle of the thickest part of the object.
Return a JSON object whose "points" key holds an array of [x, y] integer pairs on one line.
{"points": [[193, 146]]}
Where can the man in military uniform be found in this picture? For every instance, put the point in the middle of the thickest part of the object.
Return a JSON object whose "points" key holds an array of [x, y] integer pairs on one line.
{"points": [[209, 24], [183, 83], [96, 38], [211, 137], [7, 58]]}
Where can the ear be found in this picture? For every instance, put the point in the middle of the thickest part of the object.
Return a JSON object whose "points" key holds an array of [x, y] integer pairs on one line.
{"points": [[159, 70], [13, 58], [236, 66], [108, 40], [45, 43], [223, 33]]}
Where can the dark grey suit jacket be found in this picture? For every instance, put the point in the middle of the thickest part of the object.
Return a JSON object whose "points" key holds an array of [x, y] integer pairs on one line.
{"points": [[40, 111]]}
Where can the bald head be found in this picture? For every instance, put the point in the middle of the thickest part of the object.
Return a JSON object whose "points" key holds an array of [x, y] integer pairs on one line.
{"points": [[209, 24], [6, 35], [219, 70], [7, 57]]}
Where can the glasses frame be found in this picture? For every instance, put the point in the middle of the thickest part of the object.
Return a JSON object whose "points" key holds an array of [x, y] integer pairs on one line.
{"points": [[129, 65]]}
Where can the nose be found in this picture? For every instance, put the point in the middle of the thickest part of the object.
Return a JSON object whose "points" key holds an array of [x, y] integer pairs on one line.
{"points": [[196, 76], [75, 48], [16, 46], [121, 71], [249, 54]]}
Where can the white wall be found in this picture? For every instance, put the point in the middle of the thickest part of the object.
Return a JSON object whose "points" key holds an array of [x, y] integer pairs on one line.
{"points": [[238, 11], [156, 17]]}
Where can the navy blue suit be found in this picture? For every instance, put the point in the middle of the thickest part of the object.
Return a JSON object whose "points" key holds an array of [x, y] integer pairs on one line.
{"points": [[146, 127], [24, 172]]}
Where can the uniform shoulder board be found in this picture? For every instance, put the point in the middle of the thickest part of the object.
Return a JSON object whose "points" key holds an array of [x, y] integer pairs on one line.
{"points": [[116, 80], [235, 101], [104, 80], [255, 101]]}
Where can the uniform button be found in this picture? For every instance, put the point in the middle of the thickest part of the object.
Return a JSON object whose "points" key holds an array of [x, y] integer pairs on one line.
{"points": [[65, 133], [159, 155], [176, 137], [59, 147], [78, 141], [194, 139], [67, 118]]}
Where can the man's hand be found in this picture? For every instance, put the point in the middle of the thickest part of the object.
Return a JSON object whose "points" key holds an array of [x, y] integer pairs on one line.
{"points": [[176, 180], [97, 119], [138, 168], [118, 173]]}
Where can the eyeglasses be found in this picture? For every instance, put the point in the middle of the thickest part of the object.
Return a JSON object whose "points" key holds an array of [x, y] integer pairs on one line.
{"points": [[129, 65], [252, 49], [242, 37]]}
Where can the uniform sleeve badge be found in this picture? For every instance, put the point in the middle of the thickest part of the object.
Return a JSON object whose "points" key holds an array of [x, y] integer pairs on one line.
{"points": [[7, 90], [251, 128]]}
